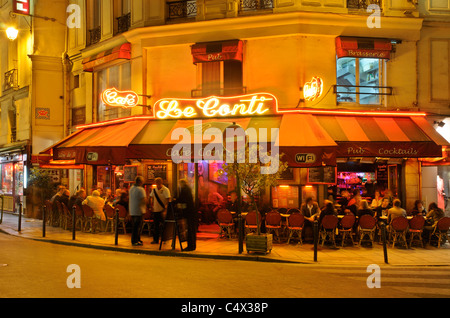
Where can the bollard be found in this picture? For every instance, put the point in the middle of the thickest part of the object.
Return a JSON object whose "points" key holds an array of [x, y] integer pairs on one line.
{"points": [[316, 238], [116, 224], [241, 234], [1, 219], [20, 217], [74, 215], [383, 237], [44, 216]]}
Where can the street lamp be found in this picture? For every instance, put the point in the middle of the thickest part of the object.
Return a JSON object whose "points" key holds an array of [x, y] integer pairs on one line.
{"points": [[12, 33]]}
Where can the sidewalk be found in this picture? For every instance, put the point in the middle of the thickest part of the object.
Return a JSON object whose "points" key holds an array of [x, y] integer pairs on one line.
{"points": [[210, 245]]}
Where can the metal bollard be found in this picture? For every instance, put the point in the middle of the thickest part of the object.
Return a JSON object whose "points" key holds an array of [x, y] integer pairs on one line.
{"points": [[383, 237], [44, 217], [241, 234], [1, 219], [316, 238], [116, 223], [74, 215], [20, 217]]}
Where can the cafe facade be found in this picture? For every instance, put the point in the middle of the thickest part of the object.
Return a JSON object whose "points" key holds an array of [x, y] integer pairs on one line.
{"points": [[338, 102]]}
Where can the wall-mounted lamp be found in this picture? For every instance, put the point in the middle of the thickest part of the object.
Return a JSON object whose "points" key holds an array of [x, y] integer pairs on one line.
{"points": [[12, 33]]}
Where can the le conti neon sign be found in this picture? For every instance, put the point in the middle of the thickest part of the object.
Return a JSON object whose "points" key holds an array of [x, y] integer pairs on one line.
{"points": [[115, 98], [244, 105]]}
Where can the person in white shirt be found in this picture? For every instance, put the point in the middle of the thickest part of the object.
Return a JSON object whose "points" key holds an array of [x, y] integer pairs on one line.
{"points": [[160, 197], [136, 207]]}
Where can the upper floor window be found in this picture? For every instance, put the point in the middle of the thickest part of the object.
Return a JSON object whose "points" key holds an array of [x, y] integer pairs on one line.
{"points": [[360, 80], [219, 68], [118, 76]]}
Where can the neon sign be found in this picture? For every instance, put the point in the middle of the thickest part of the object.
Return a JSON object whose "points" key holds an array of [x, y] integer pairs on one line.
{"points": [[313, 89], [210, 107], [115, 98]]}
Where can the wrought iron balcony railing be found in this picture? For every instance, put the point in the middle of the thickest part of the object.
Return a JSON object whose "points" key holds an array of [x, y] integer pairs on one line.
{"points": [[182, 9], [229, 91], [362, 4], [10, 80], [123, 23], [95, 35], [253, 5]]}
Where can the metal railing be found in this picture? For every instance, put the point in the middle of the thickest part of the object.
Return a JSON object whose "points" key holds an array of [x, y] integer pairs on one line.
{"points": [[123, 23], [182, 9], [362, 4], [229, 91], [95, 35], [253, 5], [10, 80]]}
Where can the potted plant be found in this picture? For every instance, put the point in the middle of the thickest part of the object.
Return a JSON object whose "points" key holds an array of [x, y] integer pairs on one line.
{"points": [[252, 176], [42, 187]]}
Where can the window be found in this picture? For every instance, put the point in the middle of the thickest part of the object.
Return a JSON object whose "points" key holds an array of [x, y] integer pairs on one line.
{"points": [[360, 80], [118, 76], [223, 78]]}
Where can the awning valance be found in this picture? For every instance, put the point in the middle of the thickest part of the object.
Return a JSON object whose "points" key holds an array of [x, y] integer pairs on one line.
{"points": [[217, 51], [386, 137], [363, 47], [122, 51]]}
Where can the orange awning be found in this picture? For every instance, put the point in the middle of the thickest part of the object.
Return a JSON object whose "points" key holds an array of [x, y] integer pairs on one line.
{"points": [[383, 136], [122, 51]]}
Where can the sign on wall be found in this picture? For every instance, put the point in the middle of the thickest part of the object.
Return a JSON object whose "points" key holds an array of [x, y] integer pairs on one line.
{"points": [[21, 7]]}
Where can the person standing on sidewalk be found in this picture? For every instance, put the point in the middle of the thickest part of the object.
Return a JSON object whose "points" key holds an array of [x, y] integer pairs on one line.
{"points": [[137, 206], [185, 202], [160, 198]]}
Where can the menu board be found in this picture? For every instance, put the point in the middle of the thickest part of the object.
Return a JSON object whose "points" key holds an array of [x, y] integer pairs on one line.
{"points": [[382, 173], [285, 196], [129, 173], [156, 171], [323, 175]]}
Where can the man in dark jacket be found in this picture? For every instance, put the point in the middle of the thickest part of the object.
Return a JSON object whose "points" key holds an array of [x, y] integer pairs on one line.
{"points": [[185, 202]]}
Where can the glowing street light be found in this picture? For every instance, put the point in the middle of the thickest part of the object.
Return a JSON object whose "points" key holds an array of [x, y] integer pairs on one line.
{"points": [[12, 33]]}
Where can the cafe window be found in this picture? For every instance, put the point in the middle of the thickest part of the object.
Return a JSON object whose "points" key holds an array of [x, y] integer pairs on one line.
{"points": [[360, 80], [119, 77]]}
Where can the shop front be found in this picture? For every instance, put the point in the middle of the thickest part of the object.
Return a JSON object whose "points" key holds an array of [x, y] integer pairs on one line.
{"points": [[327, 151]]}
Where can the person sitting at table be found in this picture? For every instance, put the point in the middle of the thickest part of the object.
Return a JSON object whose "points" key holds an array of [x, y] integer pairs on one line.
{"points": [[343, 202], [96, 203], [418, 209], [232, 204], [376, 201], [431, 219], [353, 204], [382, 210], [364, 209], [123, 200], [327, 210], [396, 211]]}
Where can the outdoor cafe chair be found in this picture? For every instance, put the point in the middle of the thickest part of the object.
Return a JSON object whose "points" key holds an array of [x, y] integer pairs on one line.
{"points": [[295, 224], [415, 229], [79, 216], [110, 214], [346, 229], [147, 221], [273, 223], [49, 210], [367, 226], [123, 217], [328, 229], [58, 213], [225, 221], [293, 210], [250, 222], [398, 229], [89, 218], [66, 217], [440, 231]]}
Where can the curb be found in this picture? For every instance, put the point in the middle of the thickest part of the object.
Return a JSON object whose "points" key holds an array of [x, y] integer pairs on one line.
{"points": [[160, 253]]}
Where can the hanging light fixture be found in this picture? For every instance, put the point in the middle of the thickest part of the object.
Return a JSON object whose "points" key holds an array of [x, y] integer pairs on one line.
{"points": [[12, 33]]}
